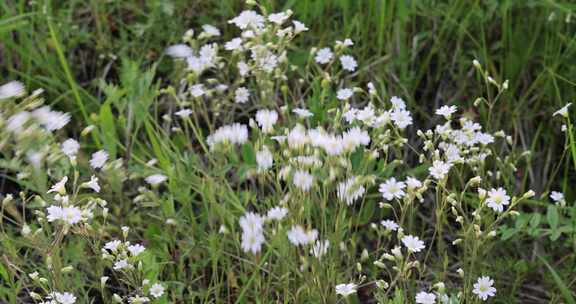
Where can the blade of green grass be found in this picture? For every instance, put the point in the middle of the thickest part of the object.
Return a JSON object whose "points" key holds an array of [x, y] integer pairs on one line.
{"points": [[566, 293]]}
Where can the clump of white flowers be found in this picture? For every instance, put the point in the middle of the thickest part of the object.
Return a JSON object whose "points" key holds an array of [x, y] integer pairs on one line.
{"points": [[126, 258], [357, 139], [328, 179]]}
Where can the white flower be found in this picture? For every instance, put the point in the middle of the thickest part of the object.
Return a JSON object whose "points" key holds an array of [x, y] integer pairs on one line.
{"points": [[98, 159], [179, 51], [208, 54], [59, 187], [297, 137], [371, 88], [347, 42], [348, 63], [243, 68], [184, 113], [497, 199], [279, 18], [197, 90], [112, 245], [391, 189], [389, 225], [303, 113], [264, 159], [234, 44], [136, 249], [563, 111], [413, 183], [64, 298], [235, 134], [252, 241], [401, 118], [557, 196], [54, 213], [303, 180], [350, 190], [241, 95], [346, 289], [51, 120], [71, 215], [156, 290], [266, 119], [397, 103], [93, 184], [483, 288], [248, 19], [320, 248], [251, 222], [156, 179], [252, 232], [425, 298], [323, 56], [446, 111], [299, 27], [355, 137], [121, 264], [70, 148], [12, 89], [344, 94], [413, 243], [210, 30], [17, 121], [276, 213], [298, 236], [439, 169]]}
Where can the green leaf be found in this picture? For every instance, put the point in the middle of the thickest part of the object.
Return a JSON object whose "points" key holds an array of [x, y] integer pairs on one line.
{"points": [[248, 154], [508, 233], [552, 217], [108, 130], [535, 220]]}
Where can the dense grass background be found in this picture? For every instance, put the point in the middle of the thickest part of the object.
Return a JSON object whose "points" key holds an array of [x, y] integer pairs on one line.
{"points": [[420, 50]]}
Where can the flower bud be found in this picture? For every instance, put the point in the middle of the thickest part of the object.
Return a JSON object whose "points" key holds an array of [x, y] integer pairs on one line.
{"points": [[382, 284], [460, 272]]}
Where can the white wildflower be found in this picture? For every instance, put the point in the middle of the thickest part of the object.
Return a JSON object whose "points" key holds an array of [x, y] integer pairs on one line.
{"points": [[413, 243], [136, 250], [156, 290], [241, 95], [303, 180], [98, 159], [446, 111], [391, 189], [12, 89], [348, 63], [70, 148], [276, 213], [389, 225], [248, 19], [323, 56], [425, 298], [266, 119], [484, 288], [344, 94], [346, 289], [439, 169], [497, 199], [156, 179], [179, 51], [264, 159]]}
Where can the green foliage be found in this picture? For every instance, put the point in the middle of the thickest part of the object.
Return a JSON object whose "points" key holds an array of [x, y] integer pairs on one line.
{"points": [[103, 62]]}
